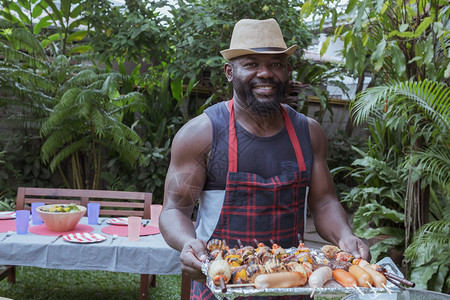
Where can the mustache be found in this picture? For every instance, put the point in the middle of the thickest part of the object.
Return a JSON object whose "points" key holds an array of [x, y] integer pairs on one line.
{"points": [[254, 83]]}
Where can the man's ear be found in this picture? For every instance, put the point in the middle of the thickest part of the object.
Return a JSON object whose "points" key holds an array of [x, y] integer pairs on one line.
{"points": [[228, 69]]}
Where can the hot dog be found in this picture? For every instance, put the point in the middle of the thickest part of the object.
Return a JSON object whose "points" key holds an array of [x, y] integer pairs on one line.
{"points": [[379, 280], [280, 280], [319, 277], [360, 262], [362, 277], [344, 278]]}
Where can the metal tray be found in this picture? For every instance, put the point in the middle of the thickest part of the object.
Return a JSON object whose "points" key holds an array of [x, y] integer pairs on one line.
{"points": [[234, 292]]}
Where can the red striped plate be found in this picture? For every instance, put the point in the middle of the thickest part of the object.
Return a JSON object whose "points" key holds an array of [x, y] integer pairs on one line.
{"points": [[5, 215], [84, 237], [117, 221]]}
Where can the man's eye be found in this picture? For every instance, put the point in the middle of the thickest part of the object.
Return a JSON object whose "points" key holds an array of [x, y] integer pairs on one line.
{"points": [[278, 65], [250, 64]]}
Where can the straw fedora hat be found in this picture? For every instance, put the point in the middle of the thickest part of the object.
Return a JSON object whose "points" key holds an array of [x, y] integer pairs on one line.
{"points": [[257, 37]]}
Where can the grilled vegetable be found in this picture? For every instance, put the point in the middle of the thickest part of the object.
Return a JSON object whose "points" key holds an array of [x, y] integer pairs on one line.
{"points": [[218, 269]]}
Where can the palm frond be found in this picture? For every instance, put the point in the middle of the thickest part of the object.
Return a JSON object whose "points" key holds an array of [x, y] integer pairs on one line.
{"points": [[28, 78], [368, 103], [58, 139], [432, 99], [23, 39], [68, 151], [428, 242], [434, 161], [20, 58]]}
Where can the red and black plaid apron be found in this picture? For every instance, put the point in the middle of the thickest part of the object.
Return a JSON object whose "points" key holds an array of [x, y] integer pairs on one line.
{"points": [[260, 208]]}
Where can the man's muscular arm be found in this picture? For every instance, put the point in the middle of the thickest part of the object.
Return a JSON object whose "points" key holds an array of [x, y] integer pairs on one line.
{"points": [[330, 218], [184, 182]]}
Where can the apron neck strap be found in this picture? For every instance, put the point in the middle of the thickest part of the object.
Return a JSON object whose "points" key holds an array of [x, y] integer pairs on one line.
{"points": [[232, 140]]}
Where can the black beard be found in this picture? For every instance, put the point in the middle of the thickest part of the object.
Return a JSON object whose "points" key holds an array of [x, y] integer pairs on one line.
{"points": [[261, 108]]}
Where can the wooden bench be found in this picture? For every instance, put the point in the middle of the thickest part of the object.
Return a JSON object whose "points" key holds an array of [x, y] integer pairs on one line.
{"points": [[112, 203]]}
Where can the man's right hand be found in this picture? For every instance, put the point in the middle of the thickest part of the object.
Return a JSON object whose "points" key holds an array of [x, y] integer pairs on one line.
{"points": [[192, 256]]}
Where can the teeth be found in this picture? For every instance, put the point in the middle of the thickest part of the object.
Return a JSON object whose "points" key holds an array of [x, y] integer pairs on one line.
{"points": [[264, 87]]}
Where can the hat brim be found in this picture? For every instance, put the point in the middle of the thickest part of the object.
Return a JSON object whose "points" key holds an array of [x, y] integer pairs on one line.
{"points": [[233, 53]]}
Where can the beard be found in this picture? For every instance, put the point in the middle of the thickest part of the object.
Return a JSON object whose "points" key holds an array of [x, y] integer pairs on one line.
{"points": [[245, 92]]}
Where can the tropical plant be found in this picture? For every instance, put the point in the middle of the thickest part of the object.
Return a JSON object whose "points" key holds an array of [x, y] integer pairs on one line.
{"points": [[429, 253], [421, 112], [93, 106], [405, 47], [52, 91]]}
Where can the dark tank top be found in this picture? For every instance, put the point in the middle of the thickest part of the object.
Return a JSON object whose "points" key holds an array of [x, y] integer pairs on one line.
{"points": [[265, 156]]}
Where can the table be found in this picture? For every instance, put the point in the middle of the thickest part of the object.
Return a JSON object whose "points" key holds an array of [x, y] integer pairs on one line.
{"points": [[149, 255]]}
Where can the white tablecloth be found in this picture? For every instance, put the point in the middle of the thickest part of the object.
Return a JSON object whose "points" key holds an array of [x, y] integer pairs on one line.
{"points": [[149, 255]]}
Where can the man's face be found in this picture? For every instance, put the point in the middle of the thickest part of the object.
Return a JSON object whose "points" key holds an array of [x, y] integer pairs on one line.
{"points": [[260, 81]]}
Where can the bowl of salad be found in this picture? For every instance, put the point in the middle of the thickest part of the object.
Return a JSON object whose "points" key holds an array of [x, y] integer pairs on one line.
{"points": [[61, 217]]}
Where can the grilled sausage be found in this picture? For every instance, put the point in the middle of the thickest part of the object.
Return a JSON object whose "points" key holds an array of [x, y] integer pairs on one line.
{"points": [[319, 277], [362, 277], [280, 280], [344, 278], [379, 280]]}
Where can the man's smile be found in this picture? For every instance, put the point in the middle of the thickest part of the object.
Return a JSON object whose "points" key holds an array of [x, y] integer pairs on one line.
{"points": [[264, 89]]}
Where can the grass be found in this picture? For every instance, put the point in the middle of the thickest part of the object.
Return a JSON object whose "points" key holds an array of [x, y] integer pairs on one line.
{"points": [[38, 283], [50, 284]]}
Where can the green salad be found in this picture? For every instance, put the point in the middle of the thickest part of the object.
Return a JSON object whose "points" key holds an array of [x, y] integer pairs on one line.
{"points": [[64, 208]]}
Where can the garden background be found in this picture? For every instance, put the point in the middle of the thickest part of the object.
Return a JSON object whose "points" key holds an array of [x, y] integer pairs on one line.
{"points": [[91, 95]]}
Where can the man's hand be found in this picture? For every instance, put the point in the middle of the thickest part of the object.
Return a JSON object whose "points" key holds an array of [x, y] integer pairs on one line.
{"points": [[355, 246], [192, 256]]}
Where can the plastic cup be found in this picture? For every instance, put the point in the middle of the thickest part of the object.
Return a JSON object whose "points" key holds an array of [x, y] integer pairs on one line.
{"points": [[35, 217], [93, 210], [134, 228], [156, 211], [22, 221]]}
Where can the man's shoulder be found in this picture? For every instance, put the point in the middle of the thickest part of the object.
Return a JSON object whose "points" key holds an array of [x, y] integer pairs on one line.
{"points": [[196, 125], [294, 113]]}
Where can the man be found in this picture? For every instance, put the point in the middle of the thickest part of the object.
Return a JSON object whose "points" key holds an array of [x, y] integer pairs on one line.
{"points": [[251, 161]]}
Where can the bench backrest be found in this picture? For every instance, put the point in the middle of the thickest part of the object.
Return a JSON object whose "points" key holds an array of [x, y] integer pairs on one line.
{"points": [[112, 203]]}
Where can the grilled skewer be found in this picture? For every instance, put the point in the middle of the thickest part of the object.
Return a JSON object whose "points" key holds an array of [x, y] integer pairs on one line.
{"points": [[395, 277]]}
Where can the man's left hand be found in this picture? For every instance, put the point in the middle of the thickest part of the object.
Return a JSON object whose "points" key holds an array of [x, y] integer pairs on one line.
{"points": [[355, 246]]}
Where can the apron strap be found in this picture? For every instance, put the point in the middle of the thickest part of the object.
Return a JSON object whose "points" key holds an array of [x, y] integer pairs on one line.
{"points": [[232, 140], [294, 141]]}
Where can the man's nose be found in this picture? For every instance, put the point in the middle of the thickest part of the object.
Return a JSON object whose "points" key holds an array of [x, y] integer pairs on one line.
{"points": [[264, 72]]}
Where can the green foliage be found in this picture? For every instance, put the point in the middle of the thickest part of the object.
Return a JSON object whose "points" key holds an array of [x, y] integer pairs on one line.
{"points": [[156, 124], [417, 114], [429, 253], [93, 106], [52, 95], [395, 40], [378, 196], [135, 31], [43, 16]]}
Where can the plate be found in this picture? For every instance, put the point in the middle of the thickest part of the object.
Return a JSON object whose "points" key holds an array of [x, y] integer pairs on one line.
{"points": [[5, 215], [84, 237], [117, 221]]}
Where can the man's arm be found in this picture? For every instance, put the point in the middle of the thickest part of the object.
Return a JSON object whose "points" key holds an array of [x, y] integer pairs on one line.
{"points": [[184, 182], [330, 218]]}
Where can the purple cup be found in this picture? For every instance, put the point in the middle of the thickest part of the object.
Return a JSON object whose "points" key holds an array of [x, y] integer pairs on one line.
{"points": [[93, 210], [22, 221], [36, 218]]}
